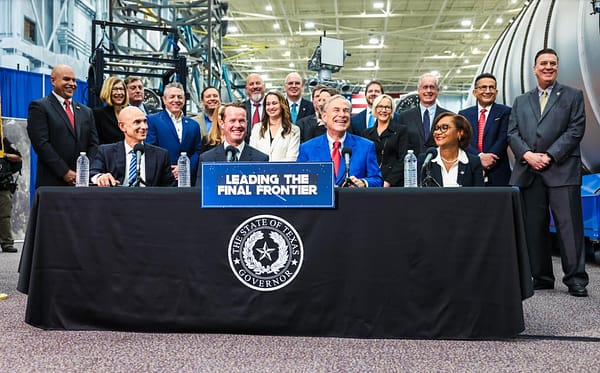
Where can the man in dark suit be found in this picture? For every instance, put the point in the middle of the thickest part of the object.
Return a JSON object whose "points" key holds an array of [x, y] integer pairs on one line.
{"points": [[364, 170], [255, 89], [299, 107], [172, 130], [489, 121], [113, 162], [419, 120], [544, 132], [135, 94], [59, 129], [233, 126]]}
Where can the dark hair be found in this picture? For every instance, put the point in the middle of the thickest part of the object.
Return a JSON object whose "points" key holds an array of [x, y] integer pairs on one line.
{"points": [[318, 88], [545, 51], [461, 123], [286, 118], [206, 89], [374, 82], [483, 76]]}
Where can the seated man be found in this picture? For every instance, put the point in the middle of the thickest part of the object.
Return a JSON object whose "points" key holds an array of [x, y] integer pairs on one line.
{"points": [[115, 164], [364, 170], [232, 121]]}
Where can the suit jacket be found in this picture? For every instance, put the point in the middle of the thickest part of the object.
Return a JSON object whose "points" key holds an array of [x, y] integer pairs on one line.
{"points": [[470, 174], [107, 125], [161, 132], [414, 124], [217, 154], [358, 122], [248, 104], [391, 147], [112, 158], [494, 140], [281, 148], [310, 128], [363, 163], [56, 143], [306, 109], [558, 131]]}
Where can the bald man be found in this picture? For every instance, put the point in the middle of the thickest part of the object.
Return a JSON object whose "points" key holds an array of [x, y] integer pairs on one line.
{"points": [[59, 129], [112, 163], [299, 107]]}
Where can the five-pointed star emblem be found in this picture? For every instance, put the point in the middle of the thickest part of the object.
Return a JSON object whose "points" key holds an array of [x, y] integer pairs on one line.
{"points": [[265, 251]]}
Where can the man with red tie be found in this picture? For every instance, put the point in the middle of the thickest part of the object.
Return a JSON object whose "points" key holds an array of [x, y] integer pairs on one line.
{"points": [[59, 129], [255, 89], [489, 121], [364, 170]]}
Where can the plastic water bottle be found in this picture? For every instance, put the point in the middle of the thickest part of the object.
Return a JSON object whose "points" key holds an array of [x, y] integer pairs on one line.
{"points": [[410, 170], [183, 167], [83, 171]]}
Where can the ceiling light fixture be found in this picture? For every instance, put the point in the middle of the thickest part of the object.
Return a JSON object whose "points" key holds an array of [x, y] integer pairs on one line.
{"points": [[486, 36], [286, 54], [276, 26], [282, 42], [378, 5], [373, 40], [370, 64], [309, 24], [232, 29], [291, 65], [499, 20], [466, 23], [269, 8]]}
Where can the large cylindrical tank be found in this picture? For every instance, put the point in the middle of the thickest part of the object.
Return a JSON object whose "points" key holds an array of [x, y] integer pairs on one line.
{"points": [[568, 27]]}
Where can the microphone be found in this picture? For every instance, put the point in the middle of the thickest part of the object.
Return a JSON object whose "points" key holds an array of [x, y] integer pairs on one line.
{"points": [[139, 151], [429, 155], [230, 153], [347, 153]]}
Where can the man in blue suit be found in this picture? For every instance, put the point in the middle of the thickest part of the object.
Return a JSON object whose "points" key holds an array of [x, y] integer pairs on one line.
{"points": [[489, 121], [364, 171], [172, 130], [544, 132], [112, 164]]}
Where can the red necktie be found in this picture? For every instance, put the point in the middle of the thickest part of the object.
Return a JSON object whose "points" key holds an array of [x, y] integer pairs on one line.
{"points": [[70, 113], [480, 128], [336, 157], [256, 116]]}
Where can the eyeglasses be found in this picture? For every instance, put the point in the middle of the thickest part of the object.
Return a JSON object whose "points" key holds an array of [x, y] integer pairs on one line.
{"points": [[486, 88], [443, 128], [429, 88], [384, 107], [118, 89]]}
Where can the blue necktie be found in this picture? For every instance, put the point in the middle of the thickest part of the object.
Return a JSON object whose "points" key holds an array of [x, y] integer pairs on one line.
{"points": [[371, 120], [294, 112], [132, 168], [426, 124]]}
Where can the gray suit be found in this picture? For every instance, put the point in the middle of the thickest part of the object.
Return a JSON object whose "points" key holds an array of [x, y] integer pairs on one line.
{"points": [[558, 132]]}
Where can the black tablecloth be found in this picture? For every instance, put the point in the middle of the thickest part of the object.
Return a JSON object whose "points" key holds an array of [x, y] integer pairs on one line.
{"points": [[386, 263]]}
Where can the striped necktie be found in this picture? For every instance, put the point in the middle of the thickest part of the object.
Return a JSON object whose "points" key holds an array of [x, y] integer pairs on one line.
{"points": [[132, 168]]}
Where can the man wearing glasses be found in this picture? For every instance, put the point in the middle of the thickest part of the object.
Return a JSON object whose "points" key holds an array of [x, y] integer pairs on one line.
{"points": [[420, 119], [299, 107], [489, 121]]}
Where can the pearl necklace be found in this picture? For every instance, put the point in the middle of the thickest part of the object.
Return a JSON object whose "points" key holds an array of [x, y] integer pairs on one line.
{"points": [[449, 162]]}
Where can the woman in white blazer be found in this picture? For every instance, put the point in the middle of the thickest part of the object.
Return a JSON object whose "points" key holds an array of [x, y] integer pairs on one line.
{"points": [[276, 136]]}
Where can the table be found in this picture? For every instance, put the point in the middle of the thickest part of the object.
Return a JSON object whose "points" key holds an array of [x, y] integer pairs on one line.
{"points": [[386, 263]]}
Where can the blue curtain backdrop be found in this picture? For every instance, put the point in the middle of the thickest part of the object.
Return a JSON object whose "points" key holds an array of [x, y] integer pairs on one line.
{"points": [[19, 88]]}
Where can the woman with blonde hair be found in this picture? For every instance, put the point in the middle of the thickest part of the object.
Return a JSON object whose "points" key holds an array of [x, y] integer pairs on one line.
{"points": [[213, 137], [276, 136], [114, 94]]}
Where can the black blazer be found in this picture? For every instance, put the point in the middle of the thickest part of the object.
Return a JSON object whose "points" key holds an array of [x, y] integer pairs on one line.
{"points": [[309, 128], [56, 143], [107, 125], [306, 109], [470, 174], [391, 147], [112, 158], [414, 124]]}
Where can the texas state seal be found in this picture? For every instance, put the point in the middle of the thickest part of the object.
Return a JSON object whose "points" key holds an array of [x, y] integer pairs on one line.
{"points": [[265, 253]]}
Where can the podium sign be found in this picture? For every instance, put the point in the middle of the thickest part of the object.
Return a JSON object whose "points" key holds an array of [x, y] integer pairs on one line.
{"points": [[269, 184]]}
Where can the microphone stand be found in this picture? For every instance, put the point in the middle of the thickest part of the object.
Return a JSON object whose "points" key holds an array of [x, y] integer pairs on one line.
{"points": [[428, 180]]}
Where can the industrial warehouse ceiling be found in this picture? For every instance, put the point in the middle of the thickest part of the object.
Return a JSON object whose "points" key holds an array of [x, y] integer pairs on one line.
{"points": [[392, 41]]}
